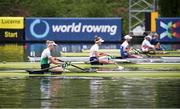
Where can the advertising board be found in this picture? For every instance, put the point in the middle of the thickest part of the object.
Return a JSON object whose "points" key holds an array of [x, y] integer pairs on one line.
{"points": [[72, 29]]}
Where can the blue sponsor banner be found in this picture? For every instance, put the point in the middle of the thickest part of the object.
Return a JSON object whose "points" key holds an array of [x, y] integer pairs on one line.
{"points": [[168, 29], [73, 29]]}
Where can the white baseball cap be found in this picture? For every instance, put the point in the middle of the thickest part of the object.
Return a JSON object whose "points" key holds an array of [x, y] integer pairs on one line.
{"points": [[99, 39], [149, 37], [51, 43], [127, 37]]}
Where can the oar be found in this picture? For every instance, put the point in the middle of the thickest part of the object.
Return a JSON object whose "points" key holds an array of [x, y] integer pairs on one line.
{"points": [[69, 63], [115, 63], [162, 47], [118, 66], [141, 52], [86, 70]]}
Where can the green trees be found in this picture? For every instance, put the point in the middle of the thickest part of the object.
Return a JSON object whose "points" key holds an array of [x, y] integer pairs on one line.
{"points": [[169, 8], [80, 8], [63, 8]]}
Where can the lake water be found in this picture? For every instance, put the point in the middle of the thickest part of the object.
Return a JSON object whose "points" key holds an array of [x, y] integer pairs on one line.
{"points": [[20, 52], [85, 92], [82, 92]]}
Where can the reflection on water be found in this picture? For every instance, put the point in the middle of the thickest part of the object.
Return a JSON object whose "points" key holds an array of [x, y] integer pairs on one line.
{"points": [[20, 52], [11, 52], [55, 92]]}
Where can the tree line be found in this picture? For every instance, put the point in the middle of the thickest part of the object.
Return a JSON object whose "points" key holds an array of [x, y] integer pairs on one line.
{"points": [[80, 8]]}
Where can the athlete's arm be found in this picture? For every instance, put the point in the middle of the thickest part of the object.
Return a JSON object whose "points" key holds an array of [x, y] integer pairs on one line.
{"points": [[54, 60]]}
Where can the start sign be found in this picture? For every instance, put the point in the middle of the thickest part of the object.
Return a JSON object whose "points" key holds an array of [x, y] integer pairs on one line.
{"points": [[11, 29]]}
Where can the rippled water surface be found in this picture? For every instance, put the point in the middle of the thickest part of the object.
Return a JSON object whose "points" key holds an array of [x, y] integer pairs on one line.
{"points": [[72, 92]]}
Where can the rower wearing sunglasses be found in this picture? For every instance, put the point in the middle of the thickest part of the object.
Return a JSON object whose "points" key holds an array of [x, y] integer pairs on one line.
{"points": [[96, 57]]}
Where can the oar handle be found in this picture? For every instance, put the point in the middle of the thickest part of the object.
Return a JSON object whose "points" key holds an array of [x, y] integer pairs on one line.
{"points": [[60, 60]]}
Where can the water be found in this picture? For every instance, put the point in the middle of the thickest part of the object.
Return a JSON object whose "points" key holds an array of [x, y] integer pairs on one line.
{"points": [[84, 92], [20, 52], [58, 92]]}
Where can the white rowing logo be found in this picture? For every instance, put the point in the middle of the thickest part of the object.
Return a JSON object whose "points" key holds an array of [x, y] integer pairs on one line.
{"points": [[39, 35]]}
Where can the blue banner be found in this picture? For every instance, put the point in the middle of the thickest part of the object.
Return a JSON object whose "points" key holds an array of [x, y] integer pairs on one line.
{"points": [[72, 29], [168, 29]]}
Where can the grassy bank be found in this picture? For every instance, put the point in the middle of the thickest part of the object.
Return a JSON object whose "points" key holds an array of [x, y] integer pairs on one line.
{"points": [[171, 74], [116, 53], [131, 67]]}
